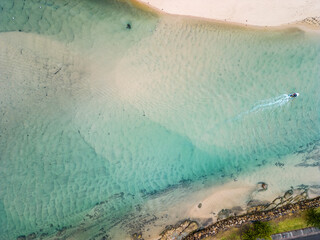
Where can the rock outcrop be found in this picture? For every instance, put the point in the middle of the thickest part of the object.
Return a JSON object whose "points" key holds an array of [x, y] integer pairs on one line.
{"points": [[179, 231]]}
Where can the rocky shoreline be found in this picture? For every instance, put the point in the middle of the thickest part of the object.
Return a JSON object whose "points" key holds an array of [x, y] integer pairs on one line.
{"points": [[293, 201], [227, 223]]}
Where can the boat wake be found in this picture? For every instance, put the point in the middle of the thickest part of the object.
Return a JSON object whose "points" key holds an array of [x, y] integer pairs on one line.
{"points": [[266, 104]]}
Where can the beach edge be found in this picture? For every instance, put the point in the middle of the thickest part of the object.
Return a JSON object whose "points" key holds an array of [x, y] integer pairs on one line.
{"points": [[309, 22]]}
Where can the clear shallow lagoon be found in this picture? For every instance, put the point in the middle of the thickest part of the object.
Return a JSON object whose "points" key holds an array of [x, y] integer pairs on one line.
{"points": [[93, 112]]}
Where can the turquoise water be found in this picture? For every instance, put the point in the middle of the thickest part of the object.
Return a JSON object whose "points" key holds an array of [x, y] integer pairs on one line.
{"points": [[93, 112]]}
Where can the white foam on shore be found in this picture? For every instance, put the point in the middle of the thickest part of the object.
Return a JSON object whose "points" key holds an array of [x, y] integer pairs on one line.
{"points": [[252, 12]]}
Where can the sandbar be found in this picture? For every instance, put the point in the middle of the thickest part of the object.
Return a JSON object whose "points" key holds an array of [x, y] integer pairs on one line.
{"points": [[251, 12]]}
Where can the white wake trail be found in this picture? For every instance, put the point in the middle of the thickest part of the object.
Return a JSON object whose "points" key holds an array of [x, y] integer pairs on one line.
{"points": [[266, 104]]}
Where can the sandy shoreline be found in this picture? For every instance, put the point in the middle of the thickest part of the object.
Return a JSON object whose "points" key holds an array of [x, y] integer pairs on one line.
{"points": [[237, 196], [249, 12]]}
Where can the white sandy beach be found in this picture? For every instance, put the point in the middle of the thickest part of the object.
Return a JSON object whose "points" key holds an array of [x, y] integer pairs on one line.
{"points": [[251, 12]]}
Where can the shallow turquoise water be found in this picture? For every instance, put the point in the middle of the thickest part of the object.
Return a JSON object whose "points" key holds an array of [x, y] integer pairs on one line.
{"points": [[118, 115]]}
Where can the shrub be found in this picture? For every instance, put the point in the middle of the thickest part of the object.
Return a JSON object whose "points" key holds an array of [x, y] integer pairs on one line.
{"points": [[257, 230], [313, 217]]}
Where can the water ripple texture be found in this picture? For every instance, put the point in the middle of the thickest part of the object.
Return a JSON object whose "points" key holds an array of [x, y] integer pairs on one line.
{"points": [[105, 106]]}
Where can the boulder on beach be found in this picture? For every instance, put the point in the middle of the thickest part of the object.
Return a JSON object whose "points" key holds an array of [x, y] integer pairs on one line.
{"points": [[224, 213], [180, 230], [262, 186]]}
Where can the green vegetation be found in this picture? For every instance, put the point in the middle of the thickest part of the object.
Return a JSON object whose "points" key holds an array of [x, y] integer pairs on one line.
{"points": [[232, 234], [313, 217], [300, 220], [256, 230], [289, 223]]}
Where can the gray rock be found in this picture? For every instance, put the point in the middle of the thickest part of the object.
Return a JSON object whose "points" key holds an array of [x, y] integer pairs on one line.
{"points": [[224, 213], [236, 210], [255, 203], [288, 194]]}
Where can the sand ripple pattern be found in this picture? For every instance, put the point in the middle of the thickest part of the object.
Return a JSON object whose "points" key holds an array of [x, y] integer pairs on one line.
{"points": [[97, 119]]}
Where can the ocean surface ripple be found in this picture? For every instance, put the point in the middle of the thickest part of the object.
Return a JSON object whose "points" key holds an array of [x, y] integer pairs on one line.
{"points": [[98, 119]]}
